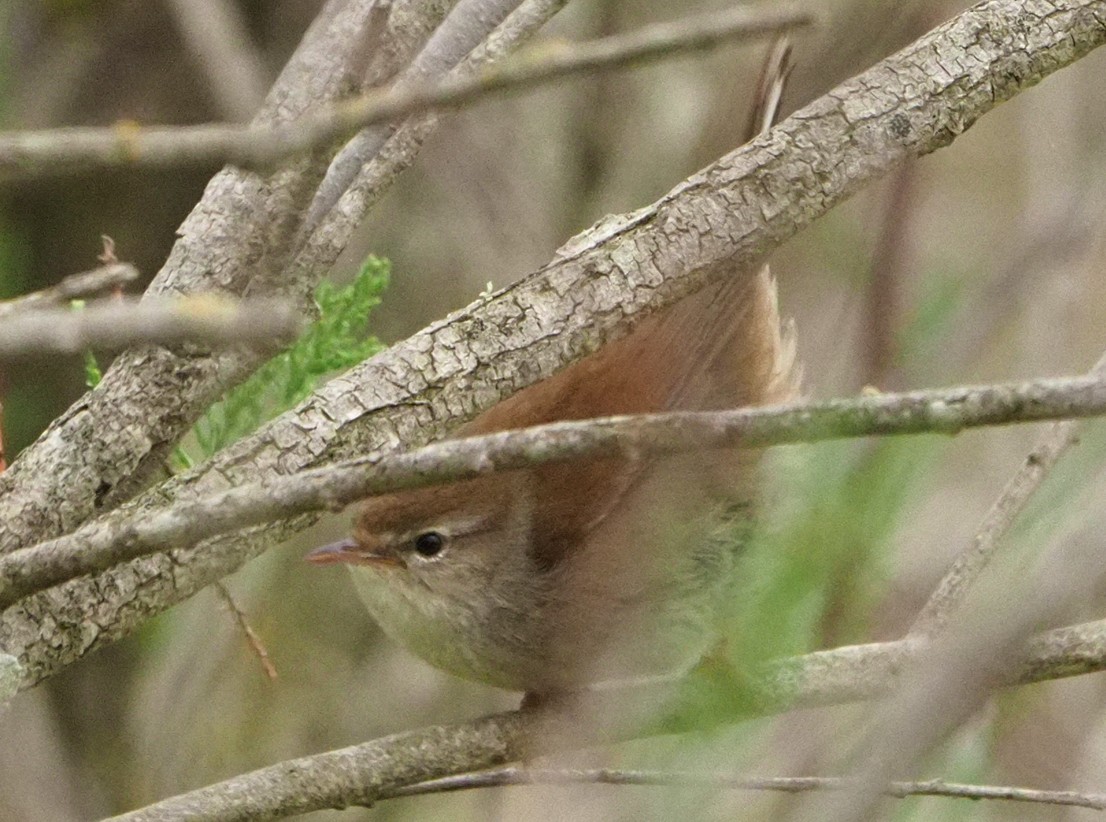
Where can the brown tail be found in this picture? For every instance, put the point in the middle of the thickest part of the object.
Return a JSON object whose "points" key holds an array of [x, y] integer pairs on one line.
{"points": [[753, 359], [769, 94]]}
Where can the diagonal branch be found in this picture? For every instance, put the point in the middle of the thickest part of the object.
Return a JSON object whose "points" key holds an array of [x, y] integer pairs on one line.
{"points": [[954, 587], [114, 539], [446, 54], [474, 35]]}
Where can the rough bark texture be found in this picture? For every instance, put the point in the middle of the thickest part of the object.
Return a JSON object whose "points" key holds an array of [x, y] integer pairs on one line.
{"points": [[720, 222], [313, 783], [107, 541]]}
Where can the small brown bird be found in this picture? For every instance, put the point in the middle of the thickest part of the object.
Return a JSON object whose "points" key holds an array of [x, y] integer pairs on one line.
{"points": [[547, 579]]}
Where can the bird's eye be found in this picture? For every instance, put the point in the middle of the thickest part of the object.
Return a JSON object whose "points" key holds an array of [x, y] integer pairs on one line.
{"points": [[429, 543]]}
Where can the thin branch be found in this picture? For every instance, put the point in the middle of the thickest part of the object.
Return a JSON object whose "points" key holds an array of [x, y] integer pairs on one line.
{"points": [[363, 774], [954, 676], [252, 639], [38, 153], [75, 286], [211, 320], [513, 776], [954, 587], [115, 538]]}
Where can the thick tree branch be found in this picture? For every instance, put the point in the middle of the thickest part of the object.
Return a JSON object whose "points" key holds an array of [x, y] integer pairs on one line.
{"points": [[363, 774], [11, 674], [718, 223], [37, 153], [116, 538]]}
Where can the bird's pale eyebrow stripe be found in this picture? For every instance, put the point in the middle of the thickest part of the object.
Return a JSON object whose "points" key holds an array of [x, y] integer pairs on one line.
{"points": [[463, 528]]}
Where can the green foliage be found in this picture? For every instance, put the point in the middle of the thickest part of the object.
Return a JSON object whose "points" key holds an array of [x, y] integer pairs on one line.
{"points": [[335, 341], [92, 372]]}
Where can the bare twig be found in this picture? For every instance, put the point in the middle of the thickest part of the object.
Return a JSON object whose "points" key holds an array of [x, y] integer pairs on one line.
{"points": [[76, 286], [112, 539], [966, 568], [252, 639], [956, 674], [64, 150], [500, 777], [107, 254], [362, 774], [206, 319]]}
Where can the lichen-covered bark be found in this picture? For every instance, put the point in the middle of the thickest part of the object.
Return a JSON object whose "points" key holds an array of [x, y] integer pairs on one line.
{"points": [[720, 222]]}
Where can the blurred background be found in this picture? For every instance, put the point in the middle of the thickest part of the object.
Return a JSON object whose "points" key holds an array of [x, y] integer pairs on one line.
{"points": [[980, 263]]}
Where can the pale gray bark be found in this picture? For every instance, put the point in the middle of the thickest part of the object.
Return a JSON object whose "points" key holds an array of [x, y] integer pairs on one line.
{"points": [[113, 539], [499, 777], [11, 672]]}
